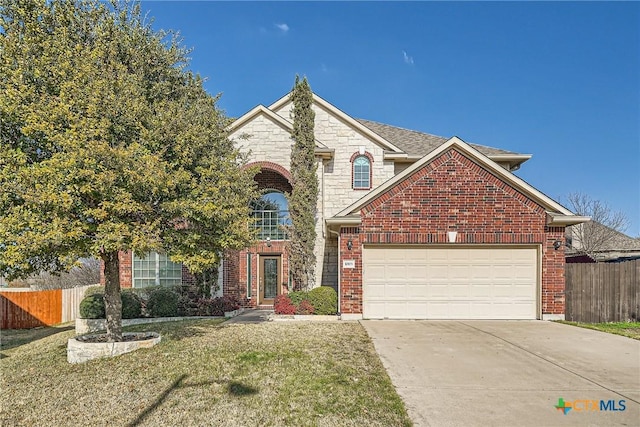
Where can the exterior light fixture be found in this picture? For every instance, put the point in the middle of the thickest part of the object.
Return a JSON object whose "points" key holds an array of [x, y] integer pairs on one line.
{"points": [[349, 244], [557, 244], [268, 242]]}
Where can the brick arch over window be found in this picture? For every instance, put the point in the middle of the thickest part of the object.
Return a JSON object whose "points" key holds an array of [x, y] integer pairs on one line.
{"points": [[272, 176], [359, 182]]}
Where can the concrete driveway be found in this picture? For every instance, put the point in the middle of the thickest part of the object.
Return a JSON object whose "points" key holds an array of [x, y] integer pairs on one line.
{"points": [[509, 373]]}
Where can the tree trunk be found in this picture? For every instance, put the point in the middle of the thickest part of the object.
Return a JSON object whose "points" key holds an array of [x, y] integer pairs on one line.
{"points": [[112, 298]]}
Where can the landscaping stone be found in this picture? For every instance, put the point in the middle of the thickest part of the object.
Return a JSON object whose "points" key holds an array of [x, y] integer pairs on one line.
{"points": [[80, 351], [87, 326], [307, 317]]}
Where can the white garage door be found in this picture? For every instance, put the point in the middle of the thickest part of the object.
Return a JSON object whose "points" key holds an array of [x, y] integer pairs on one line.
{"points": [[416, 282]]}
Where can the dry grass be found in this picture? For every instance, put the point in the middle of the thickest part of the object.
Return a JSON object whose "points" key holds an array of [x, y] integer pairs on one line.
{"points": [[204, 373], [626, 329]]}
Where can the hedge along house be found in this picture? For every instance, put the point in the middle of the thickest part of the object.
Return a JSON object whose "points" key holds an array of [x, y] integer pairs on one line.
{"points": [[409, 225]]}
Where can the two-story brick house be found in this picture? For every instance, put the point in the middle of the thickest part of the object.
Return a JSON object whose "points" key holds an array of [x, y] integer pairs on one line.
{"points": [[409, 225]]}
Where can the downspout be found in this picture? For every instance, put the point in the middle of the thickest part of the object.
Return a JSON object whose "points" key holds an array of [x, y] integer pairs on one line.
{"points": [[339, 294]]}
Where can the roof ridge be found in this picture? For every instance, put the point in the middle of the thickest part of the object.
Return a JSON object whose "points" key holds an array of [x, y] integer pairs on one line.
{"points": [[401, 128]]}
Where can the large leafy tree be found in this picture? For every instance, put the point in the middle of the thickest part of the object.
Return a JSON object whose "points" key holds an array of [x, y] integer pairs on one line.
{"points": [[304, 196], [108, 144]]}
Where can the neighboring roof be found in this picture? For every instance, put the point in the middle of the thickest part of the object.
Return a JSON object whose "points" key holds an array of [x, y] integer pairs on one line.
{"points": [[546, 202], [416, 143], [618, 242]]}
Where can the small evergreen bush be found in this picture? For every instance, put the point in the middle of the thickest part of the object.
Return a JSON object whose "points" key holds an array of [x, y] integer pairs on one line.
{"points": [[324, 300], [94, 290], [131, 305], [92, 307], [297, 297], [163, 302], [283, 305]]}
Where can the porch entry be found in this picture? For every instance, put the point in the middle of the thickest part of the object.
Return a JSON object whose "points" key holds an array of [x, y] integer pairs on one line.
{"points": [[269, 280]]}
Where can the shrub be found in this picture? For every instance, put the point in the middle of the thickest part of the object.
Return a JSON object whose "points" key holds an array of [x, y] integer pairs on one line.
{"points": [[297, 297], [282, 305], [324, 300], [217, 306], [92, 307], [304, 307], [163, 302], [131, 305], [230, 303], [94, 290]]}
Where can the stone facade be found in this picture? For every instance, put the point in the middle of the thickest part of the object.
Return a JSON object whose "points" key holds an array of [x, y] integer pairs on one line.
{"points": [[266, 142]]}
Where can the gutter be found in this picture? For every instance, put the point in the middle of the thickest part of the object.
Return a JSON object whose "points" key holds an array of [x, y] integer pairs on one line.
{"points": [[559, 220], [324, 153]]}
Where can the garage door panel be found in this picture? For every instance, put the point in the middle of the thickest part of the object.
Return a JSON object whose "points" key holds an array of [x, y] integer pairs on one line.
{"points": [[450, 283], [396, 291], [481, 290], [417, 291], [376, 291]]}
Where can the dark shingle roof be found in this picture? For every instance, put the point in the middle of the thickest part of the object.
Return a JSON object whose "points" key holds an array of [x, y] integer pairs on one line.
{"points": [[416, 143]]}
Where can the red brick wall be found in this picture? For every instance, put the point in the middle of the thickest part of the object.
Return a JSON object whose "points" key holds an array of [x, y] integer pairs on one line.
{"points": [[126, 273], [234, 283], [553, 261], [452, 193], [235, 271], [351, 278]]}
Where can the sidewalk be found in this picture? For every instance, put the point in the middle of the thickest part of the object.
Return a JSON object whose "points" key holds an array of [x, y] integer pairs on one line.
{"points": [[250, 316]]}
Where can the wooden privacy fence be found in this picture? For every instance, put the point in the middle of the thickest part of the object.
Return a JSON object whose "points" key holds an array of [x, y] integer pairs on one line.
{"points": [[23, 309], [602, 292]]}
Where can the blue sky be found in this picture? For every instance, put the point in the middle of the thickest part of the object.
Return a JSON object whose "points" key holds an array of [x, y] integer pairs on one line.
{"points": [[560, 81]]}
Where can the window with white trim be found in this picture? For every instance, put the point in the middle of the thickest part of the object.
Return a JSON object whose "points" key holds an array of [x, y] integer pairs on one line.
{"points": [[155, 269], [271, 216], [361, 173]]}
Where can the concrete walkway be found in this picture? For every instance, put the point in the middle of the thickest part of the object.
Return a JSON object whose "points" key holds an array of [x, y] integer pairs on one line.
{"points": [[250, 316], [508, 373]]}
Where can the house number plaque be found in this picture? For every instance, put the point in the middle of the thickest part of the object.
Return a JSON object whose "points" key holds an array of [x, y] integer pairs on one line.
{"points": [[348, 263]]}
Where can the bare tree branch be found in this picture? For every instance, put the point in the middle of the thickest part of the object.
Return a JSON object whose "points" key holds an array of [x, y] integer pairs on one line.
{"points": [[602, 231], [87, 273]]}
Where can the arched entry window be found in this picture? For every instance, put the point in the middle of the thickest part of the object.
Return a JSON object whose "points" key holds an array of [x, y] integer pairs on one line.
{"points": [[271, 214]]}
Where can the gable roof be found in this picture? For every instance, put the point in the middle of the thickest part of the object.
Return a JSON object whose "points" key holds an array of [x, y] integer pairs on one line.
{"points": [[558, 213], [400, 144], [261, 110], [353, 123], [417, 144]]}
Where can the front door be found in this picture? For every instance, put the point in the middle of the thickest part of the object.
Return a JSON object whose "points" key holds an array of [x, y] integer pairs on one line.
{"points": [[269, 278]]}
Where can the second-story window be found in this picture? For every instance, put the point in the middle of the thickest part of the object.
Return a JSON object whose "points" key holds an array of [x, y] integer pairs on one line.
{"points": [[361, 173]]}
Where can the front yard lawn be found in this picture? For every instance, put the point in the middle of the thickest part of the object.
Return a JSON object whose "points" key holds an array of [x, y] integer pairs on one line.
{"points": [[627, 329], [205, 373]]}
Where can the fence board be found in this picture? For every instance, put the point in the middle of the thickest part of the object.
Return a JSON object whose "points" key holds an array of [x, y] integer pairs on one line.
{"points": [[602, 292], [71, 299], [21, 310]]}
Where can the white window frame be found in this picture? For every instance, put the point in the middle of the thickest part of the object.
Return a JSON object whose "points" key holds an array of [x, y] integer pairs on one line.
{"points": [[156, 277], [368, 181]]}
